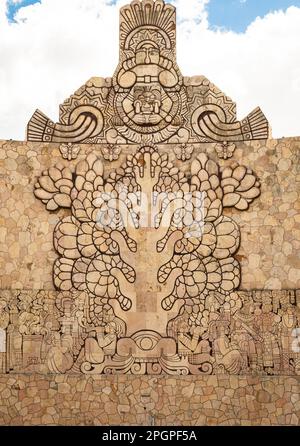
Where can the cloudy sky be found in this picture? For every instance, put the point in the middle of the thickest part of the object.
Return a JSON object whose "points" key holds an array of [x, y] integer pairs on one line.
{"points": [[249, 48]]}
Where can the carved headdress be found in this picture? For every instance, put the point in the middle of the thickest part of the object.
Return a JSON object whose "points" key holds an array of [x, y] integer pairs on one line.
{"points": [[148, 20]]}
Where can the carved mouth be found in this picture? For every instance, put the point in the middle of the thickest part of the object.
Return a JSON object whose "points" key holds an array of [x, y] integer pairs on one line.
{"points": [[147, 119]]}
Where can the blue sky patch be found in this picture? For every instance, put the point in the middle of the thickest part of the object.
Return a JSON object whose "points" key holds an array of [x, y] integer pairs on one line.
{"points": [[237, 15], [12, 8]]}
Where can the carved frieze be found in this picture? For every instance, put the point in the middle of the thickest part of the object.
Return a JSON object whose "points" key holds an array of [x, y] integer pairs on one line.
{"points": [[54, 332]]}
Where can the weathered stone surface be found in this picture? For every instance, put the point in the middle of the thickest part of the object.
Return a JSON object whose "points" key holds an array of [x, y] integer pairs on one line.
{"points": [[163, 208], [186, 408], [267, 238]]}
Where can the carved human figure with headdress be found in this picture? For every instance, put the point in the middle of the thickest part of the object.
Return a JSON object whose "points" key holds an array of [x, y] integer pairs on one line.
{"points": [[60, 356], [269, 323], [4, 321], [147, 76], [102, 342], [189, 339], [148, 65], [286, 327], [245, 333], [226, 353]]}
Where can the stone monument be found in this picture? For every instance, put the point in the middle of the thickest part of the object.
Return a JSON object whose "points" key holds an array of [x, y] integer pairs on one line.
{"points": [[176, 236]]}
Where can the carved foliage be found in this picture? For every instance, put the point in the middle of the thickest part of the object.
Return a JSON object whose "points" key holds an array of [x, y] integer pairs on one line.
{"points": [[54, 187]]}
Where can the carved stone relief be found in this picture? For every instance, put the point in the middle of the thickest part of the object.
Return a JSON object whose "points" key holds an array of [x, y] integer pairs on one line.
{"points": [[152, 254], [69, 151], [53, 332], [148, 100], [147, 276], [225, 150]]}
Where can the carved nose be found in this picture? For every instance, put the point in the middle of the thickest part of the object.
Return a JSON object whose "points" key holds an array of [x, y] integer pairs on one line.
{"points": [[147, 60]]}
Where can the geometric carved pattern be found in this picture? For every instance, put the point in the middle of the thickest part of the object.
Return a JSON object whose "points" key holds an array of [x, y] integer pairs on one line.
{"points": [[148, 101]]}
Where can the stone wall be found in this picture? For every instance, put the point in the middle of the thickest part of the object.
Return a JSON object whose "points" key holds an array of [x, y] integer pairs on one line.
{"points": [[145, 401], [270, 242], [270, 229]]}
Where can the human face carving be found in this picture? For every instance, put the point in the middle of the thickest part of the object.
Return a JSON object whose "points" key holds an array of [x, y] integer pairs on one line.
{"points": [[147, 54]]}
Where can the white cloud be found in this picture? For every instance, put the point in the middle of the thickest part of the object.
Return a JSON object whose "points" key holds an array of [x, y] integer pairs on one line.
{"points": [[259, 67], [2, 12], [191, 10], [57, 45]]}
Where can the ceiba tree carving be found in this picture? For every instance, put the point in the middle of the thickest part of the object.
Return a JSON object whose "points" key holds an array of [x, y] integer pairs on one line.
{"points": [[147, 241]]}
